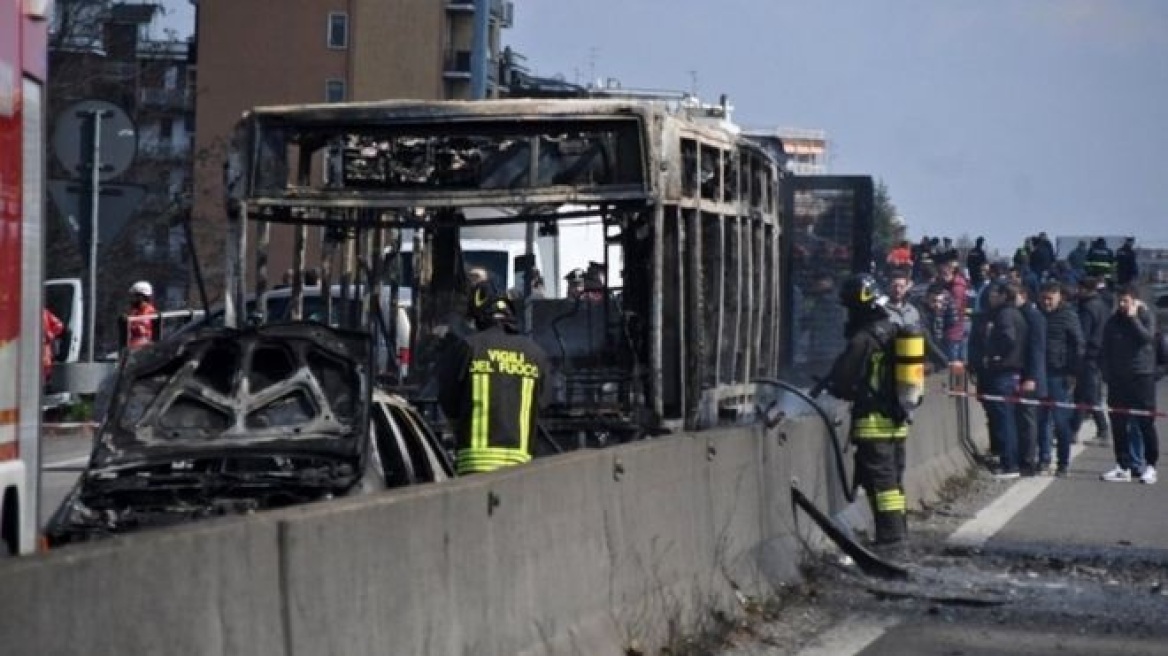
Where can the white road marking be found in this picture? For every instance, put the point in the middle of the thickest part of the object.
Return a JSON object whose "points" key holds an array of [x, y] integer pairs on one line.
{"points": [[851, 636], [993, 517]]}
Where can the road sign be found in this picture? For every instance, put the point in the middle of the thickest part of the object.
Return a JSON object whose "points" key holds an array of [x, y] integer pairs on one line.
{"points": [[73, 141], [118, 204]]}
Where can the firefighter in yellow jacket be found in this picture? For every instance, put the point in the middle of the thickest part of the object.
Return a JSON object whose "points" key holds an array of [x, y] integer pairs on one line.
{"points": [[864, 375], [491, 387]]}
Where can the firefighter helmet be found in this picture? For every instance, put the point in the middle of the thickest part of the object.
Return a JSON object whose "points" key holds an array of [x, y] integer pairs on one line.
{"points": [[486, 305], [861, 292], [481, 293]]}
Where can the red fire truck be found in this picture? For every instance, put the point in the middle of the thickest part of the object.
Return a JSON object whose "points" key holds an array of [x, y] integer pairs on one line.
{"points": [[23, 66]]}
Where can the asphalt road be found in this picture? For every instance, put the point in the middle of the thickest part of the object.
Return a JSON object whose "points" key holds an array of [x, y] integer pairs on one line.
{"points": [[60, 453], [1038, 566]]}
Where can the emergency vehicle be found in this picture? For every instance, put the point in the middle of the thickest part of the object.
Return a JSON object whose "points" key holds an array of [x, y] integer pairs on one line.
{"points": [[23, 66]]}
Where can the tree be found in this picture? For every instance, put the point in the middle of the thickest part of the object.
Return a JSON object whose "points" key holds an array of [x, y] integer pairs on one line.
{"points": [[887, 226]]}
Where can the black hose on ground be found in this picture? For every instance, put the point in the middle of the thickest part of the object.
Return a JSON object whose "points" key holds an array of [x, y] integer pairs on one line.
{"points": [[869, 563]]}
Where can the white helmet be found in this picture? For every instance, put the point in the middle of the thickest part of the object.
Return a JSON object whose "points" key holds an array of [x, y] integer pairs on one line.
{"points": [[142, 287]]}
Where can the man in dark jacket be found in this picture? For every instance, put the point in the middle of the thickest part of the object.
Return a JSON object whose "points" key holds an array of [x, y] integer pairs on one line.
{"points": [[492, 386], [1129, 367], [1033, 380], [979, 326], [1127, 269], [1003, 360], [937, 318], [1042, 255], [1093, 314], [974, 261], [1077, 259], [1064, 350]]}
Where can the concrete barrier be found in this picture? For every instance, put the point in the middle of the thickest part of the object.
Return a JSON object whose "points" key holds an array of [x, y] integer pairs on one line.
{"points": [[586, 553], [206, 590], [942, 430]]}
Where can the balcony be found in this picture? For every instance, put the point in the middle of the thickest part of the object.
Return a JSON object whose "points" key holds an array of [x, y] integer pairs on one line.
{"points": [[176, 99], [457, 65], [126, 72], [504, 12], [803, 168], [163, 151]]}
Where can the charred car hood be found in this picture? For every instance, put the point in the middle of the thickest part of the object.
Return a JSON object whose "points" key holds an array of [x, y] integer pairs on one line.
{"points": [[288, 390]]}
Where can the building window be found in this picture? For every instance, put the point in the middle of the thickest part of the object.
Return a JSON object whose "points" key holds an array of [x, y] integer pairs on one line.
{"points": [[338, 30], [334, 91]]}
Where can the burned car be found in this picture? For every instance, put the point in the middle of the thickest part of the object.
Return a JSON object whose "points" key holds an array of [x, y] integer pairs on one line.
{"points": [[223, 421]]}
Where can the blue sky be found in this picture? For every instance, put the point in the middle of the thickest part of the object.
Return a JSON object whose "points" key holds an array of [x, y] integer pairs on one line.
{"points": [[994, 117], [177, 15]]}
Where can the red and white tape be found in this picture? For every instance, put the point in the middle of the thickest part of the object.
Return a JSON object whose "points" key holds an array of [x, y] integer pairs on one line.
{"points": [[1021, 400]]}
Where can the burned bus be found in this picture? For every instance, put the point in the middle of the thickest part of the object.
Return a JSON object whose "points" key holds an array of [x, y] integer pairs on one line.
{"points": [[683, 305]]}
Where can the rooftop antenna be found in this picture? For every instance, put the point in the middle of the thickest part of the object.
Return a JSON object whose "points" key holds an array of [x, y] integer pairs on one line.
{"points": [[693, 83], [592, 64]]}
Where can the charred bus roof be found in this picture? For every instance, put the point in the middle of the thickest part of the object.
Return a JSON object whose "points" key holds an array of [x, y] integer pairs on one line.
{"points": [[408, 153]]}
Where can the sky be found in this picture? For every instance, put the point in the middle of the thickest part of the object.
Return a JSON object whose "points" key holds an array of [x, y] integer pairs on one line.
{"points": [[177, 15], [1000, 118]]}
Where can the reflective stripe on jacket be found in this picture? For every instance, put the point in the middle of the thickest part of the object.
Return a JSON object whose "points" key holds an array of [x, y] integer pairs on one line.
{"points": [[1100, 261], [491, 387]]}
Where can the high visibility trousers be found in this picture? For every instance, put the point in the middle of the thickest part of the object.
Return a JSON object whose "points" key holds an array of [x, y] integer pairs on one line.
{"points": [[880, 471]]}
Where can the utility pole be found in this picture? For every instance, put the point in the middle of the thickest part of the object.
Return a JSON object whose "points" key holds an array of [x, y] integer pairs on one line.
{"points": [[95, 170]]}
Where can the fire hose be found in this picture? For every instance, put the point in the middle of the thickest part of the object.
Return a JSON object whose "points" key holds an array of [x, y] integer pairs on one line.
{"points": [[868, 562], [810, 397]]}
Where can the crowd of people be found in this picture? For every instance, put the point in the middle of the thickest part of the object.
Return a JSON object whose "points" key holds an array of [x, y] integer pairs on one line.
{"points": [[1039, 337], [1037, 334]]}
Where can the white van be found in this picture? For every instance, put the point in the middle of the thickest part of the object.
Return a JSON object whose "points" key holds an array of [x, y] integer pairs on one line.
{"points": [[502, 259], [63, 297]]}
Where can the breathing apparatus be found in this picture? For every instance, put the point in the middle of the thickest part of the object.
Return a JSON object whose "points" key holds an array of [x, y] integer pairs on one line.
{"points": [[909, 367]]}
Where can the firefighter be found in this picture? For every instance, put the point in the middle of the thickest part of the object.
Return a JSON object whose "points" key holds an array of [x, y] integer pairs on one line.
{"points": [[51, 330], [1100, 260], [140, 318], [492, 385], [862, 375]]}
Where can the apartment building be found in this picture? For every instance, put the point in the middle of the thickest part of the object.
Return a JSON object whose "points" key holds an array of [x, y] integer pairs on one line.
{"points": [[265, 52]]}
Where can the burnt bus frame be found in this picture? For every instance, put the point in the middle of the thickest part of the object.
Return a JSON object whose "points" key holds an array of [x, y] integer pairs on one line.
{"points": [[707, 210]]}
